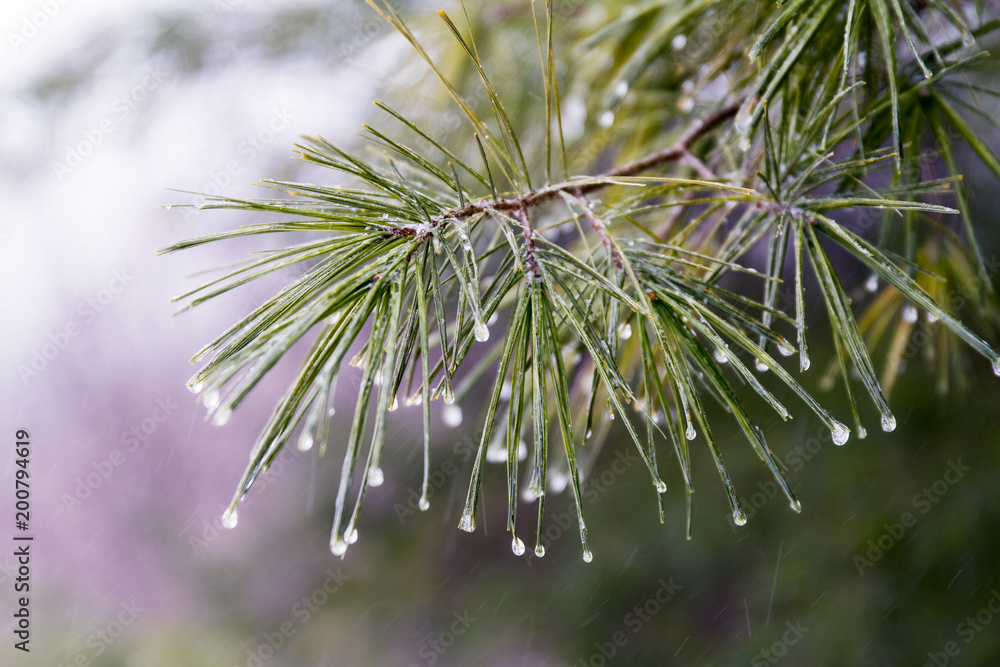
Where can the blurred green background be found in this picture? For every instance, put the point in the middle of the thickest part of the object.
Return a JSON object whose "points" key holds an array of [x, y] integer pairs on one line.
{"points": [[132, 567]]}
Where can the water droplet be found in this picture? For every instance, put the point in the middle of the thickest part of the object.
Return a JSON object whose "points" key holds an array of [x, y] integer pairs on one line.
{"points": [[910, 314], [661, 486], [888, 423], [785, 349], [558, 482], [452, 415], [686, 104], [416, 399], [481, 331], [931, 317], [494, 318], [468, 524], [625, 331], [796, 505], [679, 42], [720, 357], [742, 123], [739, 518], [804, 363], [540, 551], [996, 367], [744, 144], [587, 556], [229, 518], [211, 400], [195, 386], [353, 536], [607, 119], [871, 285], [522, 450], [221, 417], [622, 89], [691, 433], [496, 452], [517, 546], [305, 441], [376, 477], [338, 547], [589, 434], [760, 366], [448, 395], [839, 433], [862, 433], [529, 495], [394, 405], [424, 504]]}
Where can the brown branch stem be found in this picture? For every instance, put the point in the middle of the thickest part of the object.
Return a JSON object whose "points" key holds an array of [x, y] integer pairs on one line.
{"points": [[678, 151]]}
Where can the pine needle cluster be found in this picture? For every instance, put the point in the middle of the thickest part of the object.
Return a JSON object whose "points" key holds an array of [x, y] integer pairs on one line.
{"points": [[620, 287]]}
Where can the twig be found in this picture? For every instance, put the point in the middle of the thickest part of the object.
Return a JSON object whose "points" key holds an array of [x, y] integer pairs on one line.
{"points": [[680, 150]]}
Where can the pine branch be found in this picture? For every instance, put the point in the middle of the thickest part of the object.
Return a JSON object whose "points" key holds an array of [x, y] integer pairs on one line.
{"points": [[626, 319], [679, 150]]}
